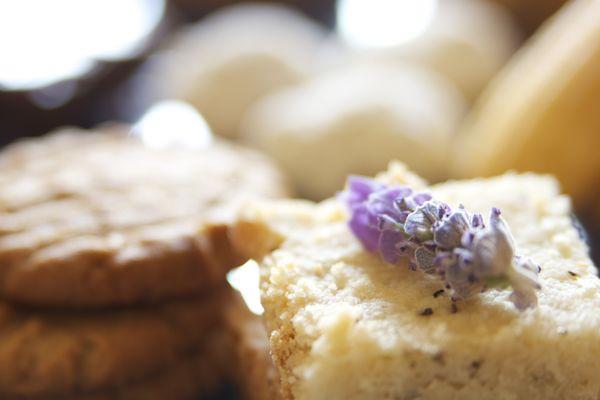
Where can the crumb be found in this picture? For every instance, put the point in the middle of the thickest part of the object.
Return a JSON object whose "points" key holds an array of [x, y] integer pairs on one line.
{"points": [[563, 332], [439, 358], [474, 367]]}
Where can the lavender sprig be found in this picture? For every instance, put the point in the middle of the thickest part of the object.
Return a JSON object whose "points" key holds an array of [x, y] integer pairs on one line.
{"points": [[454, 244]]}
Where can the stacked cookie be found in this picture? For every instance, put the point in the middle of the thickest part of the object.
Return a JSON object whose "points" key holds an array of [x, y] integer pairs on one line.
{"points": [[112, 266]]}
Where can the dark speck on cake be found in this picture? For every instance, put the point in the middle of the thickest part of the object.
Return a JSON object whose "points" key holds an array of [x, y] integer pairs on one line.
{"points": [[426, 312]]}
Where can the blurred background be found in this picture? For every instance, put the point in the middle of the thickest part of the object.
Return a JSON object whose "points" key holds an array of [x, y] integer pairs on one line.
{"points": [[454, 88], [69, 62]]}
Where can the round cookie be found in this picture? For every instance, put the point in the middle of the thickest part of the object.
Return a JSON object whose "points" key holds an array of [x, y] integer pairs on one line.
{"points": [[47, 353], [191, 379], [96, 218]]}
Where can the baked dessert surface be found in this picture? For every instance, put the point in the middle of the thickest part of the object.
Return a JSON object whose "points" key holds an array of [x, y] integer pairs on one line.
{"points": [[251, 368], [90, 219], [193, 377], [47, 353], [345, 325]]}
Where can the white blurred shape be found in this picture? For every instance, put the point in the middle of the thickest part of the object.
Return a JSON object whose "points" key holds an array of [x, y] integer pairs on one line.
{"points": [[245, 279], [173, 123], [467, 41], [234, 56], [117, 27], [44, 42], [355, 120], [380, 23]]}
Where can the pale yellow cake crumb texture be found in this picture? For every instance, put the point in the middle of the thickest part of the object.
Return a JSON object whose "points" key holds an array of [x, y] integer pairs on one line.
{"points": [[344, 325]]}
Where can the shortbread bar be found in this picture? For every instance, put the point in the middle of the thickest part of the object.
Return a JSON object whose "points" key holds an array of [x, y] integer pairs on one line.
{"points": [[343, 324]]}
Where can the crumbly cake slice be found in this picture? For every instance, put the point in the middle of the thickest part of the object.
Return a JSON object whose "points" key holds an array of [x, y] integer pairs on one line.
{"points": [[345, 325]]}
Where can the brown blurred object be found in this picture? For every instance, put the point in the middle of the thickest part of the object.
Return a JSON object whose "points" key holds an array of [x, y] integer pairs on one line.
{"points": [[541, 113], [252, 369], [31, 105], [322, 10], [532, 13], [21, 114]]}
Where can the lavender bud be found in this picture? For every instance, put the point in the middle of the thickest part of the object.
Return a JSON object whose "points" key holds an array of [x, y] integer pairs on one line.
{"points": [[477, 221], [424, 259], [392, 246], [421, 198], [406, 204], [359, 189], [421, 221], [493, 248], [454, 245], [462, 281], [523, 278], [450, 231], [361, 226]]}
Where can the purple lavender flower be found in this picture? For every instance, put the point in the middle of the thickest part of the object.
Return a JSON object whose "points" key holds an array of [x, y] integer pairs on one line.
{"points": [[450, 231], [393, 246], [378, 214], [425, 259], [359, 189], [363, 223], [423, 219], [523, 278], [455, 245]]}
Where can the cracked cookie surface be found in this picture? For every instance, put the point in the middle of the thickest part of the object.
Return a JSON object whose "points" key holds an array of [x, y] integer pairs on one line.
{"points": [[96, 218], [46, 353]]}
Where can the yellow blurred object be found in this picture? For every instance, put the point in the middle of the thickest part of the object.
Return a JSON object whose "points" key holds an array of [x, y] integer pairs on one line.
{"points": [[542, 113]]}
